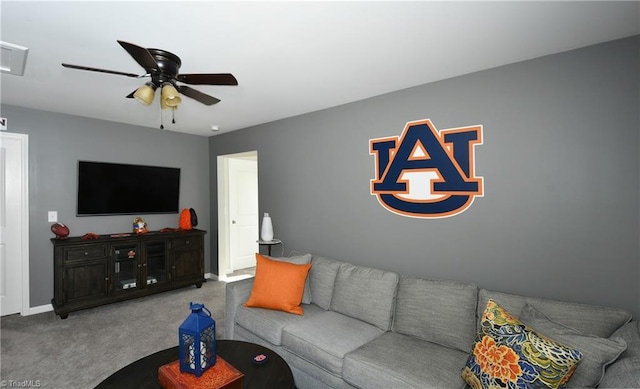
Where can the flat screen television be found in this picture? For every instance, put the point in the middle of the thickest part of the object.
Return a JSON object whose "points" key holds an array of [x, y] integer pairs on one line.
{"points": [[120, 189]]}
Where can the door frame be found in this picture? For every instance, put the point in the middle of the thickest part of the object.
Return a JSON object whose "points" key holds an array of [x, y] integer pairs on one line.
{"points": [[224, 221], [24, 216]]}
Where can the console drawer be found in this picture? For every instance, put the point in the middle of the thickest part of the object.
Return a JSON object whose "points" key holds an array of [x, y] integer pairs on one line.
{"points": [[85, 252], [187, 242]]}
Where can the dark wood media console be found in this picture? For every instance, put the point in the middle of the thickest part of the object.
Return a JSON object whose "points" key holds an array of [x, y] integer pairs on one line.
{"points": [[90, 273]]}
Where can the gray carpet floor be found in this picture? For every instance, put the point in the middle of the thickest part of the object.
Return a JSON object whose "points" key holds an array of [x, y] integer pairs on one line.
{"points": [[79, 352]]}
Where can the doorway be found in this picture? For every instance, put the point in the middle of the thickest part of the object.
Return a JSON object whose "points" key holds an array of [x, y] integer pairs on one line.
{"points": [[237, 215], [14, 224]]}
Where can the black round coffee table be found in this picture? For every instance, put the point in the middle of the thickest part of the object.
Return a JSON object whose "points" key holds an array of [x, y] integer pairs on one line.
{"points": [[143, 373]]}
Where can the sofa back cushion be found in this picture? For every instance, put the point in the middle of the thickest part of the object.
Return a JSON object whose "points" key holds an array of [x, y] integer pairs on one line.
{"points": [[322, 278], [597, 352], [588, 319], [366, 294], [442, 312], [624, 372]]}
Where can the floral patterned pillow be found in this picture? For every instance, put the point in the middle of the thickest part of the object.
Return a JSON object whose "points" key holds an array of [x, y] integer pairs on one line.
{"points": [[507, 353]]}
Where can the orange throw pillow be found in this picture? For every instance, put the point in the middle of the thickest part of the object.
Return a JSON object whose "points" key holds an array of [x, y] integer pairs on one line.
{"points": [[278, 285]]}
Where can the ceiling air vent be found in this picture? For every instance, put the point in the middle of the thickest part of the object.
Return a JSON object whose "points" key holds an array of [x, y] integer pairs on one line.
{"points": [[13, 58]]}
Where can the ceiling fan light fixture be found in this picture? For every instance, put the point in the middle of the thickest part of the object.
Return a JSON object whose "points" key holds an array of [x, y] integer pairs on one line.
{"points": [[164, 106], [164, 69], [146, 93], [170, 96]]}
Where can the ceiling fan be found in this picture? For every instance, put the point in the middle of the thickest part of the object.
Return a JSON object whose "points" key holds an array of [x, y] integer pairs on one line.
{"points": [[163, 68]]}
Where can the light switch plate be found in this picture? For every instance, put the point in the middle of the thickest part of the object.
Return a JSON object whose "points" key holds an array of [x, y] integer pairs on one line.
{"points": [[52, 216]]}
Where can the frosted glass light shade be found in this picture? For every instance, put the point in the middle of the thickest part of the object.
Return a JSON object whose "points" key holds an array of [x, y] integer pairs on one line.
{"points": [[267, 228], [170, 96], [145, 93], [163, 105]]}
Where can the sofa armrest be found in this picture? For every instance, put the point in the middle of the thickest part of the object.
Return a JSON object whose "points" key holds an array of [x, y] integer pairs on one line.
{"points": [[236, 293]]}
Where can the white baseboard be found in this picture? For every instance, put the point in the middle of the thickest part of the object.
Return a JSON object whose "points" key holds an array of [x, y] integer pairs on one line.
{"points": [[225, 278], [235, 278], [36, 310]]}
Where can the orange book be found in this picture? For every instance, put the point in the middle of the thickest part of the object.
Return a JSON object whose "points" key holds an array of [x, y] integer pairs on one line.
{"points": [[219, 376]]}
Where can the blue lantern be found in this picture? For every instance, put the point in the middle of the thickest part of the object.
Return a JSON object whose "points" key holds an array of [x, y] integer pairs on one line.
{"points": [[197, 341]]}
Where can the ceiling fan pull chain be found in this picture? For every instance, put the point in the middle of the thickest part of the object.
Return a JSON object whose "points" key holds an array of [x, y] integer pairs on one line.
{"points": [[161, 121], [173, 116]]}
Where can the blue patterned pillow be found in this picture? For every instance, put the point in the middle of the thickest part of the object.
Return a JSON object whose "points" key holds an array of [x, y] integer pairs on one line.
{"points": [[508, 354]]}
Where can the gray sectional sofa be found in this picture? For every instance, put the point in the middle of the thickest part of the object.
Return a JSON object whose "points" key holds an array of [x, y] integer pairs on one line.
{"points": [[367, 328]]}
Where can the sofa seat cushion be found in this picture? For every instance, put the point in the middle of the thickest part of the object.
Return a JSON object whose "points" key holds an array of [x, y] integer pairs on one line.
{"points": [[399, 361], [588, 319], [268, 323], [325, 338], [438, 311], [366, 294]]}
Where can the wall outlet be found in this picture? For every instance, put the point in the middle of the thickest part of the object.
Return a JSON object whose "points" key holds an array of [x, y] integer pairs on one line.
{"points": [[52, 216]]}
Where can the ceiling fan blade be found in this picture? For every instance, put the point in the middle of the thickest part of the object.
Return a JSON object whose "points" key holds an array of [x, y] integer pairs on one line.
{"points": [[141, 55], [208, 79], [197, 95], [66, 65]]}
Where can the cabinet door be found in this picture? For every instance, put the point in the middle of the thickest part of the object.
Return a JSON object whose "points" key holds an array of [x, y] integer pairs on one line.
{"points": [[156, 265], [85, 281], [188, 258], [126, 267]]}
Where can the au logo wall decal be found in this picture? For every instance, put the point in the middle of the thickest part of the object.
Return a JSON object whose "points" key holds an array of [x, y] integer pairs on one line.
{"points": [[426, 173]]}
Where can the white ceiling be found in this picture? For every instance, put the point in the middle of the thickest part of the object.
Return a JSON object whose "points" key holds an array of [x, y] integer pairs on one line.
{"points": [[289, 57]]}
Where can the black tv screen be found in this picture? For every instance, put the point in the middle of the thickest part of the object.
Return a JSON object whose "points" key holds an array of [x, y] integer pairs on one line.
{"points": [[120, 189]]}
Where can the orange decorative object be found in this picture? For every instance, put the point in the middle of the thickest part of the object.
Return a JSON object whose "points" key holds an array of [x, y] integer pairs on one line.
{"points": [[220, 376], [90, 236], [185, 220]]}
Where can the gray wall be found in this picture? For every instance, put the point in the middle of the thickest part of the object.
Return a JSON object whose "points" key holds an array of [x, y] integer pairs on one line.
{"points": [[560, 214], [57, 142]]}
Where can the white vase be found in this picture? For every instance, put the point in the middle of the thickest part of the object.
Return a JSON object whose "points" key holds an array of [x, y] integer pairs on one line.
{"points": [[267, 228]]}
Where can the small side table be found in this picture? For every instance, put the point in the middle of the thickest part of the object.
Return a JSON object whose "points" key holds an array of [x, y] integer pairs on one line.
{"points": [[269, 244]]}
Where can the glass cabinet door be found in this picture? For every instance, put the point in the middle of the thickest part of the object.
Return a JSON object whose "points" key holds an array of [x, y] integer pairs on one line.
{"points": [[156, 265], [126, 264]]}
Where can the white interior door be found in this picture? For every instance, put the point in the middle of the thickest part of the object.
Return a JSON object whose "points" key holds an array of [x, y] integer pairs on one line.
{"points": [[13, 222], [243, 212]]}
